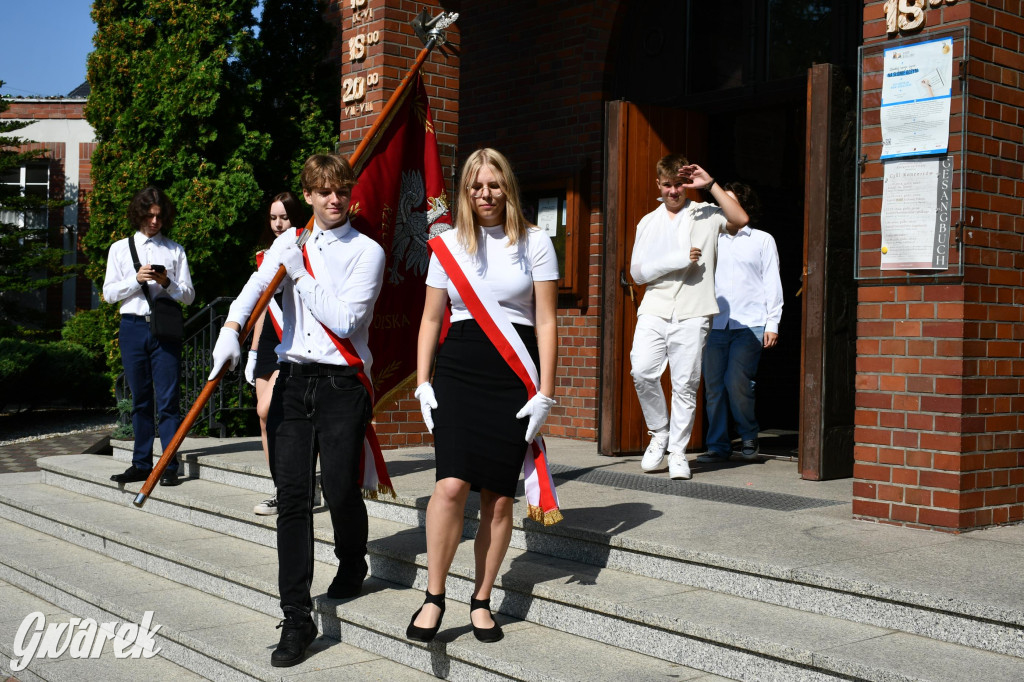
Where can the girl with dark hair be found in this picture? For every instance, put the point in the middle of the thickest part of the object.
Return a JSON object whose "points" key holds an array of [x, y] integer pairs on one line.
{"points": [[285, 212]]}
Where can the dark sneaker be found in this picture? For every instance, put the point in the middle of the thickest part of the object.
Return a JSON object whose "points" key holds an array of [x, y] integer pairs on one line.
{"points": [[130, 475], [266, 507], [714, 457], [750, 450], [297, 632], [344, 587]]}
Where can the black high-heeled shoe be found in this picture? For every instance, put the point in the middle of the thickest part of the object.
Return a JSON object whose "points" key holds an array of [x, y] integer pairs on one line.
{"points": [[491, 634], [419, 634]]}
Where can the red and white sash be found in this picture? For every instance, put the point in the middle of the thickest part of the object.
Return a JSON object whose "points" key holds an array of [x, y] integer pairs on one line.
{"points": [[273, 309], [373, 470], [542, 501]]}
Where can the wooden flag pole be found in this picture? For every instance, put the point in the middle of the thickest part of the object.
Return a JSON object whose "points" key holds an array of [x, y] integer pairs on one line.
{"points": [[436, 26]]}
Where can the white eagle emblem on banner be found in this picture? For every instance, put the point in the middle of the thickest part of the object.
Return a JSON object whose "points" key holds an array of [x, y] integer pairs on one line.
{"points": [[414, 228]]}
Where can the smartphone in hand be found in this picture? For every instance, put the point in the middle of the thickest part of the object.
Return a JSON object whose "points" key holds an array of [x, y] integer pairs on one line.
{"points": [[159, 268]]}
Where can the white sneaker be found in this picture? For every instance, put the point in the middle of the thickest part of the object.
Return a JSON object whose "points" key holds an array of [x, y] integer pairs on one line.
{"points": [[678, 467], [654, 455], [266, 507]]}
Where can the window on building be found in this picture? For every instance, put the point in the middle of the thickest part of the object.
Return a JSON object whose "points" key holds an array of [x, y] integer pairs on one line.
{"points": [[561, 207], [31, 180]]}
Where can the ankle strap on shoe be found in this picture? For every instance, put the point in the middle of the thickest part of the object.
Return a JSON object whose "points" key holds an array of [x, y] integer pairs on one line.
{"points": [[435, 599], [475, 604]]}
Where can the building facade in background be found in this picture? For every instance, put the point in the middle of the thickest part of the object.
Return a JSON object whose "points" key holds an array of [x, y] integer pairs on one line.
{"points": [[912, 383], [58, 128]]}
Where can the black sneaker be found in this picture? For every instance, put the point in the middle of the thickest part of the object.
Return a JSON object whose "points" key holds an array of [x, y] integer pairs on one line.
{"points": [[297, 632], [714, 457], [130, 475], [750, 450], [266, 507], [343, 587]]}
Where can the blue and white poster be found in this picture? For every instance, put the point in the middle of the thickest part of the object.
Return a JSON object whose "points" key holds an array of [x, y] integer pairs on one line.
{"points": [[917, 87]]}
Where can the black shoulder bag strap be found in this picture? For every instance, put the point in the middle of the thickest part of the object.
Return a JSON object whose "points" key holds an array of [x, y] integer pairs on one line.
{"points": [[138, 266], [166, 320]]}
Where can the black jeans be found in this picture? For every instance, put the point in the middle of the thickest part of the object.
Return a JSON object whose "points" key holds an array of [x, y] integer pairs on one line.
{"points": [[311, 415]]}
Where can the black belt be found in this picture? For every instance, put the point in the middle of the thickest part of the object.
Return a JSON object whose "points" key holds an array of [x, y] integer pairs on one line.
{"points": [[317, 369], [133, 316]]}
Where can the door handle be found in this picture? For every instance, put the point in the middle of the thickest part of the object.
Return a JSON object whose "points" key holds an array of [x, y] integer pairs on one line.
{"points": [[628, 285]]}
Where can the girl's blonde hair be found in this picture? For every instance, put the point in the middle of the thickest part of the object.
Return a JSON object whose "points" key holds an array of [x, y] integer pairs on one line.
{"points": [[516, 224]]}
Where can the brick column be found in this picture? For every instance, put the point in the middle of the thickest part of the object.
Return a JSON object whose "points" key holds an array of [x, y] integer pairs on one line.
{"points": [[940, 379], [383, 34]]}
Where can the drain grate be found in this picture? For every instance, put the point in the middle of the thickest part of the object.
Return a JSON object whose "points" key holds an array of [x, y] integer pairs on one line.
{"points": [[701, 491], [710, 492]]}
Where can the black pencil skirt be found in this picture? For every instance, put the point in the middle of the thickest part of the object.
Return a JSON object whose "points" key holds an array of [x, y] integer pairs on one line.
{"points": [[266, 356], [477, 437]]}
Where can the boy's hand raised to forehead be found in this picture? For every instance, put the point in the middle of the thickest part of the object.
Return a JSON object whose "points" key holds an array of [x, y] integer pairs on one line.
{"points": [[695, 177]]}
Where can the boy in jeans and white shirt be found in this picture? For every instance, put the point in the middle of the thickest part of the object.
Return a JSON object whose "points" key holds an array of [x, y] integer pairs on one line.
{"points": [[675, 254]]}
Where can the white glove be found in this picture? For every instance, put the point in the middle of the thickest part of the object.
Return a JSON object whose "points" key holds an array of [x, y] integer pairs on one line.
{"points": [[291, 258], [250, 368], [425, 393], [225, 351], [537, 409]]}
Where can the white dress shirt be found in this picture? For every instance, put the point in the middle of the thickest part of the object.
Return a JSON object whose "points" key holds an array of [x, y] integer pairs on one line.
{"points": [[349, 270], [510, 271], [747, 283], [120, 284]]}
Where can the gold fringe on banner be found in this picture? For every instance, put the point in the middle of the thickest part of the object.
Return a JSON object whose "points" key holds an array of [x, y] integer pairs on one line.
{"points": [[381, 490], [549, 518]]}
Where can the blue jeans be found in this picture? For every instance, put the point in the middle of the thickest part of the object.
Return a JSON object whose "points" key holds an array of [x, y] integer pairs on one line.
{"points": [[311, 416], [151, 368], [730, 369]]}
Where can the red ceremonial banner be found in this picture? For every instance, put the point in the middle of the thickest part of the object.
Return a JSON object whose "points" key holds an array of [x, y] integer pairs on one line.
{"points": [[400, 201]]}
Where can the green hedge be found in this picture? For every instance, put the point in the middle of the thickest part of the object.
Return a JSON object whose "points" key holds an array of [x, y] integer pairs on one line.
{"points": [[58, 373], [97, 331]]}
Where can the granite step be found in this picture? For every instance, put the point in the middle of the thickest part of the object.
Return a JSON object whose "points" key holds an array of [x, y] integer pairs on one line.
{"points": [[200, 589], [940, 613], [698, 628], [238, 462], [207, 635], [17, 604]]}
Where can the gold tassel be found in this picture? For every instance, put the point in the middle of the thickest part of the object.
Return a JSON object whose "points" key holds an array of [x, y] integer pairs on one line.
{"points": [[381, 489], [552, 517], [548, 518]]}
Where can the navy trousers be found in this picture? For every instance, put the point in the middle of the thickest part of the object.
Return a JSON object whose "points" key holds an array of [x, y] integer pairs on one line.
{"points": [[151, 366]]}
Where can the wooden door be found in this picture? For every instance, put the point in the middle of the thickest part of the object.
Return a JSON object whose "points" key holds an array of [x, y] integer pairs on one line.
{"points": [[828, 360], [638, 136]]}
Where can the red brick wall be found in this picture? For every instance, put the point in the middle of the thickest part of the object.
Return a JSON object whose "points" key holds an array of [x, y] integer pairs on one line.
{"points": [[83, 287], [42, 109], [399, 423], [940, 379], [545, 111]]}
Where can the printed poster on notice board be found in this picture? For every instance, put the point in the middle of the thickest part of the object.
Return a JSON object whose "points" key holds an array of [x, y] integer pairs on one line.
{"points": [[917, 88], [917, 206]]}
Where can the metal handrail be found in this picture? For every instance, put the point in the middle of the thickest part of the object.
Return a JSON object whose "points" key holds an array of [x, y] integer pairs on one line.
{"points": [[201, 331]]}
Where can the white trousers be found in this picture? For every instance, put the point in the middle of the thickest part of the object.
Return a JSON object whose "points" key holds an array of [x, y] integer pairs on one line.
{"points": [[656, 343]]}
